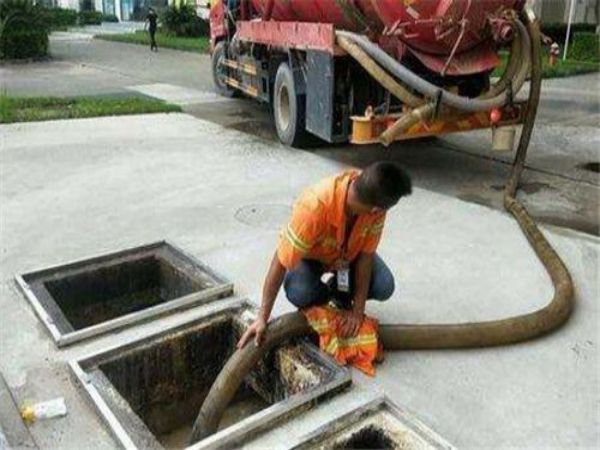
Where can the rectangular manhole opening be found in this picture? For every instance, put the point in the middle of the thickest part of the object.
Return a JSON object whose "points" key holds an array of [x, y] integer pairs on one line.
{"points": [[91, 296], [103, 293], [379, 425], [156, 387]]}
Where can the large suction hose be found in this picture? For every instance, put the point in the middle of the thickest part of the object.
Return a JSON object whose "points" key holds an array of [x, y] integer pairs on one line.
{"points": [[406, 336], [388, 82], [514, 62], [430, 90], [510, 77], [232, 375], [509, 84]]}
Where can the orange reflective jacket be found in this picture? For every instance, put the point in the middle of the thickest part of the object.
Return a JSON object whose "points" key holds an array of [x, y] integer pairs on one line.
{"points": [[362, 350], [317, 226]]}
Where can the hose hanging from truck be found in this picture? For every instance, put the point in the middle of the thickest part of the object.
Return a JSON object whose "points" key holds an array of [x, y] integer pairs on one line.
{"points": [[432, 336], [430, 90]]}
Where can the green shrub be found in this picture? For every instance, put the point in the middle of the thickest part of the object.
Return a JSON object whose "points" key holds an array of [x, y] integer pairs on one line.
{"points": [[558, 31], [60, 18], [585, 47], [183, 21], [109, 18], [23, 30], [90, 18]]}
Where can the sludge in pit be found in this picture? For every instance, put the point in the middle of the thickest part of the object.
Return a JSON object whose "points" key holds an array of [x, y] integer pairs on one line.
{"points": [[155, 387]]}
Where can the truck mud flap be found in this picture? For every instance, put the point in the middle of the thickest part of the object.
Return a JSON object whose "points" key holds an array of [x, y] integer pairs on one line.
{"points": [[320, 107]]}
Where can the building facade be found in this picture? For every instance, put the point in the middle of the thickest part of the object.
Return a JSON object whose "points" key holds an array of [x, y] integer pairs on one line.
{"points": [[126, 10], [557, 11]]}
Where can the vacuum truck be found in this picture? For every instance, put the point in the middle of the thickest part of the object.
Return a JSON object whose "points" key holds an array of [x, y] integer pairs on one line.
{"points": [[369, 71]]}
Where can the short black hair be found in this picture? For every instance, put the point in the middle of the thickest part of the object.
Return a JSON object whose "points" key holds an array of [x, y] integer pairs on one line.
{"points": [[382, 184]]}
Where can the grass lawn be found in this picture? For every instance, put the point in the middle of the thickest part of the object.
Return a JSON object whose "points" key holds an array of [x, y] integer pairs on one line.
{"points": [[189, 44], [561, 69], [31, 109]]}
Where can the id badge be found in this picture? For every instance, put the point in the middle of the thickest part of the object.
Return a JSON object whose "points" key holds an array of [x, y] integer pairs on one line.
{"points": [[343, 279]]}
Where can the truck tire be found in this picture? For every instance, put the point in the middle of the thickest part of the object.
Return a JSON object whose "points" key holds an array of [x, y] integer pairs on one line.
{"points": [[219, 72], [289, 109]]}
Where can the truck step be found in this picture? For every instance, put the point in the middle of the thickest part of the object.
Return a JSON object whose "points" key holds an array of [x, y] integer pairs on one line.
{"points": [[247, 68], [250, 90]]}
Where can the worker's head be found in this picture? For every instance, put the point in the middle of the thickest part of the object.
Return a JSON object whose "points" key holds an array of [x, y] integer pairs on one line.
{"points": [[379, 187]]}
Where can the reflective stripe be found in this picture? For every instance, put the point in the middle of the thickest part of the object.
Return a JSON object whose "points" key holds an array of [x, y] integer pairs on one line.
{"points": [[374, 228], [329, 242], [378, 225], [336, 343], [295, 240], [319, 325], [362, 339]]}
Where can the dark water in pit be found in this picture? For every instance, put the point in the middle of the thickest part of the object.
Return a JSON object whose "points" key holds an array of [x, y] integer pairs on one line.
{"points": [[165, 381], [370, 437], [238, 410], [107, 292], [90, 314]]}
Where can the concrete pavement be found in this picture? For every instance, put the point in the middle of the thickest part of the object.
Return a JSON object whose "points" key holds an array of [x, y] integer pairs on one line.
{"points": [[222, 195], [561, 183]]}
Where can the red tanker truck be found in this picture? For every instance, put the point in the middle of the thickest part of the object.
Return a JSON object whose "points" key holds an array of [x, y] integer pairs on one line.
{"points": [[369, 71]]}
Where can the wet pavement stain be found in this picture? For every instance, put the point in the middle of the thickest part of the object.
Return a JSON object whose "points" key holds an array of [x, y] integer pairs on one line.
{"points": [[592, 166], [256, 128], [528, 188]]}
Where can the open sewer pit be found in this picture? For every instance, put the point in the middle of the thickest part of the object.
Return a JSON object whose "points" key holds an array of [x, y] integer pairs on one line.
{"points": [[89, 297], [150, 391], [380, 425]]}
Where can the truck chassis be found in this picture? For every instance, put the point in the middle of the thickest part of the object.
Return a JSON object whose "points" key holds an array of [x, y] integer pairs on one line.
{"points": [[315, 89]]}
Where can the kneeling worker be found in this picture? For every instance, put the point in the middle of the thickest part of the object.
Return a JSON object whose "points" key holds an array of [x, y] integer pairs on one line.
{"points": [[335, 228]]}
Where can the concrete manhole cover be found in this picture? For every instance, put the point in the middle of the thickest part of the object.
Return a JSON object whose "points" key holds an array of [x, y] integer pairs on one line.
{"points": [[267, 216]]}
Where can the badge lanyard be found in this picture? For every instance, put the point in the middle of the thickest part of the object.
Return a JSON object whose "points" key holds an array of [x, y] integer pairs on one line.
{"points": [[343, 273]]}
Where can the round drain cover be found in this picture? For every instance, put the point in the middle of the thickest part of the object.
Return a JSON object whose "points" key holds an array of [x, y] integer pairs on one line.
{"points": [[267, 216]]}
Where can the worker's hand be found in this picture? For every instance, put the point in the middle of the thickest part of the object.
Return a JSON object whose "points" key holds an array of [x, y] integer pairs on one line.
{"points": [[351, 322], [257, 329]]}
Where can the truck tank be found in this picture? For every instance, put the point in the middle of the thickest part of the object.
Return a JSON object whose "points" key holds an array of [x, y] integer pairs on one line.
{"points": [[433, 30]]}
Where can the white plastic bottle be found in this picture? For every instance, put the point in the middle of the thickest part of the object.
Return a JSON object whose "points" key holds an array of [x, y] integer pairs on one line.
{"points": [[44, 410]]}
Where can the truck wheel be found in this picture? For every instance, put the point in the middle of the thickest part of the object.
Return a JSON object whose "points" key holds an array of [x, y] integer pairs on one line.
{"points": [[289, 109], [219, 71]]}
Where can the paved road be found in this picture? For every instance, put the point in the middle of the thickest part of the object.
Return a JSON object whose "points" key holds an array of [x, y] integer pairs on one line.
{"points": [[561, 183], [82, 65]]}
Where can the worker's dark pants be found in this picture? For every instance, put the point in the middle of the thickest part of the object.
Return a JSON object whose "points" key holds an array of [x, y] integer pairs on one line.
{"points": [[152, 32], [303, 285]]}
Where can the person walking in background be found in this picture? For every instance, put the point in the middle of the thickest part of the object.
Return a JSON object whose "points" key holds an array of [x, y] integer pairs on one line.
{"points": [[151, 21]]}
